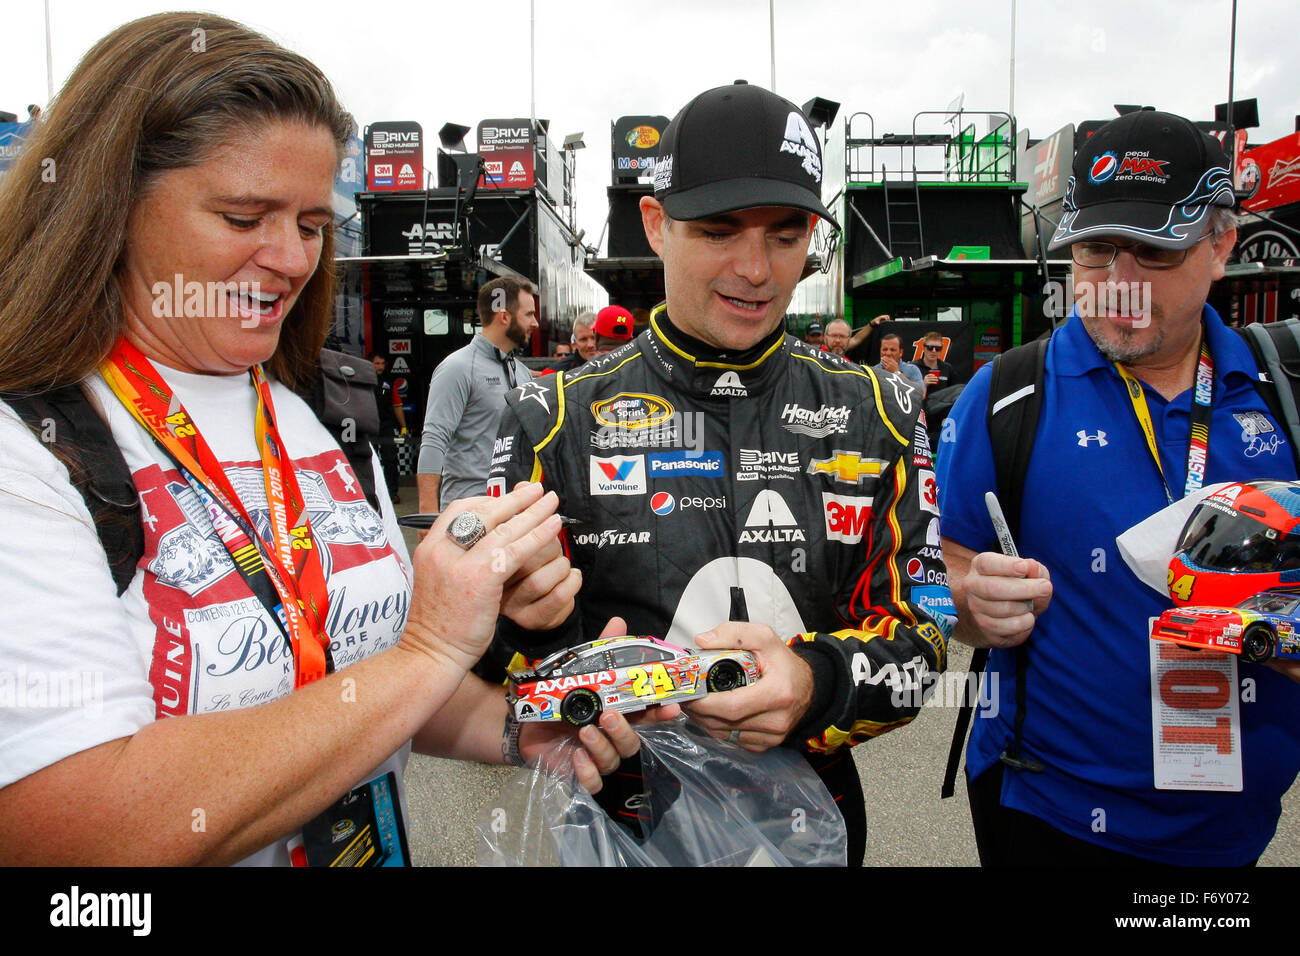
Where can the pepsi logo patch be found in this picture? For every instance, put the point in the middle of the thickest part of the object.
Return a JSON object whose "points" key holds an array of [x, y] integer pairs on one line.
{"points": [[1103, 167], [662, 503], [915, 570]]}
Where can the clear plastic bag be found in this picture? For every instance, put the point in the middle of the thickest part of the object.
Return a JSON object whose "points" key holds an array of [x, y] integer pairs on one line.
{"points": [[704, 802]]}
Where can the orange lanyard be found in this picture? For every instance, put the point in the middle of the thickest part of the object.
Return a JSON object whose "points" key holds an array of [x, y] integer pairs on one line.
{"points": [[286, 575]]}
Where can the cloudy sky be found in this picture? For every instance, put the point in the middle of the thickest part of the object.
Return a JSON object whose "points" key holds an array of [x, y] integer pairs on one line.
{"points": [[437, 61]]}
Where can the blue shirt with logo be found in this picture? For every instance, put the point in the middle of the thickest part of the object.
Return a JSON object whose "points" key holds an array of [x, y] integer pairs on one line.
{"points": [[1088, 712]]}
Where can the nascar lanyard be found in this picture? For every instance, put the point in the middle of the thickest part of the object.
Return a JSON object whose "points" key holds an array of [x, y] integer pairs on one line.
{"points": [[1198, 440], [287, 577]]}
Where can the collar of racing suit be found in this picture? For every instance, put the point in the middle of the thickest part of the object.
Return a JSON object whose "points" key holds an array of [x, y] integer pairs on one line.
{"points": [[700, 369]]}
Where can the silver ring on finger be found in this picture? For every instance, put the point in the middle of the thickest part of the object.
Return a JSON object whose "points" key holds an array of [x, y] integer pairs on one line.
{"points": [[734, 737], [466, 529]]}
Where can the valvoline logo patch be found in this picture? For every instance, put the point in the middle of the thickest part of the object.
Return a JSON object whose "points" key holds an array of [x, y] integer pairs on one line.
{"points": [[617, 471], [1103, 167], [662, 503]]}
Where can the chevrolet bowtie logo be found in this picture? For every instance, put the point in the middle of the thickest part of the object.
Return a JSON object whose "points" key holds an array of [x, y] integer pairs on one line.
{"points": [[847, 467]]}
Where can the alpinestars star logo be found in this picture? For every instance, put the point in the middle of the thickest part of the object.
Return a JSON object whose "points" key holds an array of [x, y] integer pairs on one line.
{"points": [[534, 391]]}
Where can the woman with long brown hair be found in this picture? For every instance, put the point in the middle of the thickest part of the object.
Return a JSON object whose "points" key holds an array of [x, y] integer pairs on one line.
{"points": [[165, 246]]}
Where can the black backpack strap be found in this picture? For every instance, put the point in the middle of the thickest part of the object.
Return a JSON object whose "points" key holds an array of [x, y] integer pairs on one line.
{"points": [[1276, 348], [65, 419], [1015, 400], [342, 395]]}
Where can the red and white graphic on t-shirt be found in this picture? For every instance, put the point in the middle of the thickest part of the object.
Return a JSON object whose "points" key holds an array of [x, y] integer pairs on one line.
{"points": [[216, 647]]}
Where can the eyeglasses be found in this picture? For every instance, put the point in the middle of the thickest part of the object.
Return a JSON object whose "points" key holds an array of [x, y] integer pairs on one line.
{"points": [[934, 348], [1099, 255]]}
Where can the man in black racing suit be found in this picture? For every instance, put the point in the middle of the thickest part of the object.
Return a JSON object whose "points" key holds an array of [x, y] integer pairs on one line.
{"points": [[723, 471]]}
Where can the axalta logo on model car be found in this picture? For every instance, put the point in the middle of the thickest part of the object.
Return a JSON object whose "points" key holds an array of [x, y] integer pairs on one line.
{"points": [[574, 680]]}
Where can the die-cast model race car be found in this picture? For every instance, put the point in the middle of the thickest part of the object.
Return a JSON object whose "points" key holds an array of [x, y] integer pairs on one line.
{"points": [[623, 674], [1258, 628]]}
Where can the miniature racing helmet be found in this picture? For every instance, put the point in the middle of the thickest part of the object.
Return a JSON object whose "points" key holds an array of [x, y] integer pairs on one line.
{"points": [[1243, 539]]}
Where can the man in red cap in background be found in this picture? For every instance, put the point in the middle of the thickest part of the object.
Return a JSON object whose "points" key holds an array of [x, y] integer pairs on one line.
{"points": [[613, 327]]}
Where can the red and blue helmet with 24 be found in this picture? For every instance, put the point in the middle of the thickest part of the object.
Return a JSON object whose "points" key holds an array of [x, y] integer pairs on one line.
{"points": [[1242, 539]]}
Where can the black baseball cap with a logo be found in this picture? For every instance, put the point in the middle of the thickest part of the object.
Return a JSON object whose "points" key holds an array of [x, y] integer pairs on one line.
{"points": [[737, 147], [1147, 176]]}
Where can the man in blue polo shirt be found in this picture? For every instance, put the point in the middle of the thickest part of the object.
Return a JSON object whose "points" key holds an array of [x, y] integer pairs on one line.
{"points": [[1098, 778]]}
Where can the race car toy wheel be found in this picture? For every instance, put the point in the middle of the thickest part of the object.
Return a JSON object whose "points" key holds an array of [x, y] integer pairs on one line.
{"points": [[580, 707], [725, 675], [1257, 644]]}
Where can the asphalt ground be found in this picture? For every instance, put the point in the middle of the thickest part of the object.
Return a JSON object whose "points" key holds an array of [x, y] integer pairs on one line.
{"points": [[908, 823]]}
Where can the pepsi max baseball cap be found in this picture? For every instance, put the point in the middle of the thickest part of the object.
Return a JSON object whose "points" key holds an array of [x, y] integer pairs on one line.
{"points": [[1147, 176], [737, 147]]}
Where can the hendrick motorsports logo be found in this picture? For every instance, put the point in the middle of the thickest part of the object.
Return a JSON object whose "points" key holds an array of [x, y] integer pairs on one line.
{"points": [[826, 420], [663, 173]]}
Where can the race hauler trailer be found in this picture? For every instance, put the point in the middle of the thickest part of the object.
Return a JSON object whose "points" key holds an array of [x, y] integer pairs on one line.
{"points": [[425, 253]]}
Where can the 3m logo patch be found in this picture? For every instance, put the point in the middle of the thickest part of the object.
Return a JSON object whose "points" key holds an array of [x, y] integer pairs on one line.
{"points": [[847, 517], [928, 491]]}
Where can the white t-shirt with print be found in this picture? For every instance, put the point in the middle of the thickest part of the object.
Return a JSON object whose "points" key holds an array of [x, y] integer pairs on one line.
{"points": [[80, 666]]}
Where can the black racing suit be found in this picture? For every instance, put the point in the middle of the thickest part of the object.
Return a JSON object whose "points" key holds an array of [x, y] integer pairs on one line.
{"points": [[783, 486]]}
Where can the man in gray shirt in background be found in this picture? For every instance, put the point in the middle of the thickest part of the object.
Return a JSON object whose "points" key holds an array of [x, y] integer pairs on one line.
{"points": [[467, 394]]}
